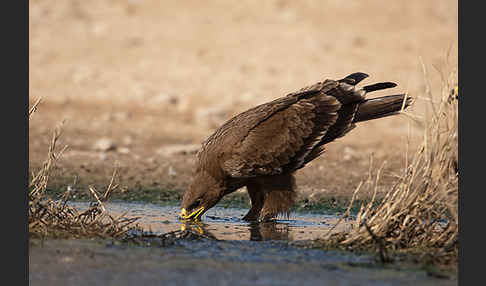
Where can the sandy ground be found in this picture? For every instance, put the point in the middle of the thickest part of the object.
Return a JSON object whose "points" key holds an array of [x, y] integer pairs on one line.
{"points": [[140, 84]]}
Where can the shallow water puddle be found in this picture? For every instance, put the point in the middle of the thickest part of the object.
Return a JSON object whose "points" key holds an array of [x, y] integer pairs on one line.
{"points": [[227, 223]]}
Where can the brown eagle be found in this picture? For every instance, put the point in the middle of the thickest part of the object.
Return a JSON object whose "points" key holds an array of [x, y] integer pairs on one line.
{"points": [[264, 146]]}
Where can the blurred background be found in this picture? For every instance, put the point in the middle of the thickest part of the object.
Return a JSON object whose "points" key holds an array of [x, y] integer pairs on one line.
{"points": [[141, 83]]}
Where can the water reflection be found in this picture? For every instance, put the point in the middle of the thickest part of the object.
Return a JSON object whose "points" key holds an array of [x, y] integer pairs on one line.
{"points": [[258, 231], [271, 230], [198, 227]]}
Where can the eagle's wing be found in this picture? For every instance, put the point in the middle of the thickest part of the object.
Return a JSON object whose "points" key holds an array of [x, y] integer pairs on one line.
{"points": [[281, 140], [286, 133]]}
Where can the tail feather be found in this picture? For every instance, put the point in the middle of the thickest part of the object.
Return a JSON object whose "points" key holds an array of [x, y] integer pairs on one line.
{"points": [[379, 86], [354, 78], [381, 107]]}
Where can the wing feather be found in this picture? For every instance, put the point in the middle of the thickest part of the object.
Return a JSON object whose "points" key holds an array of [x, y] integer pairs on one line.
{"points": [[284, 139]]}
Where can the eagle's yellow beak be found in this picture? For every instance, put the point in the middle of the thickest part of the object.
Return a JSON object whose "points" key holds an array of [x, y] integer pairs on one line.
{"points": [[194, 215]]}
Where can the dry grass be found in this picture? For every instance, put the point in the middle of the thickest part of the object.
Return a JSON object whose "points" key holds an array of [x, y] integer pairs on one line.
{"points": [[419, 214], [55, 218], [49, 218]]}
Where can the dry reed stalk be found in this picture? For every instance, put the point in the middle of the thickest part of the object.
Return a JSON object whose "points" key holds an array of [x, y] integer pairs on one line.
{"points": [[34, 107]]}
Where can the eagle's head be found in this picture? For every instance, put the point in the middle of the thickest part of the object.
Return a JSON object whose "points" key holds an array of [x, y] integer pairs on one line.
{"points": [[203, 193]]}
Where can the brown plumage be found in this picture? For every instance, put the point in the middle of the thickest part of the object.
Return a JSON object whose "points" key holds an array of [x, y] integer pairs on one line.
{"points": [[262, 147]]}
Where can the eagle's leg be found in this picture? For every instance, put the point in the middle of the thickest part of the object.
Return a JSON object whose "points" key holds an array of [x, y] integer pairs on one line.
{"points": [[257, 198], [279, 196]]}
